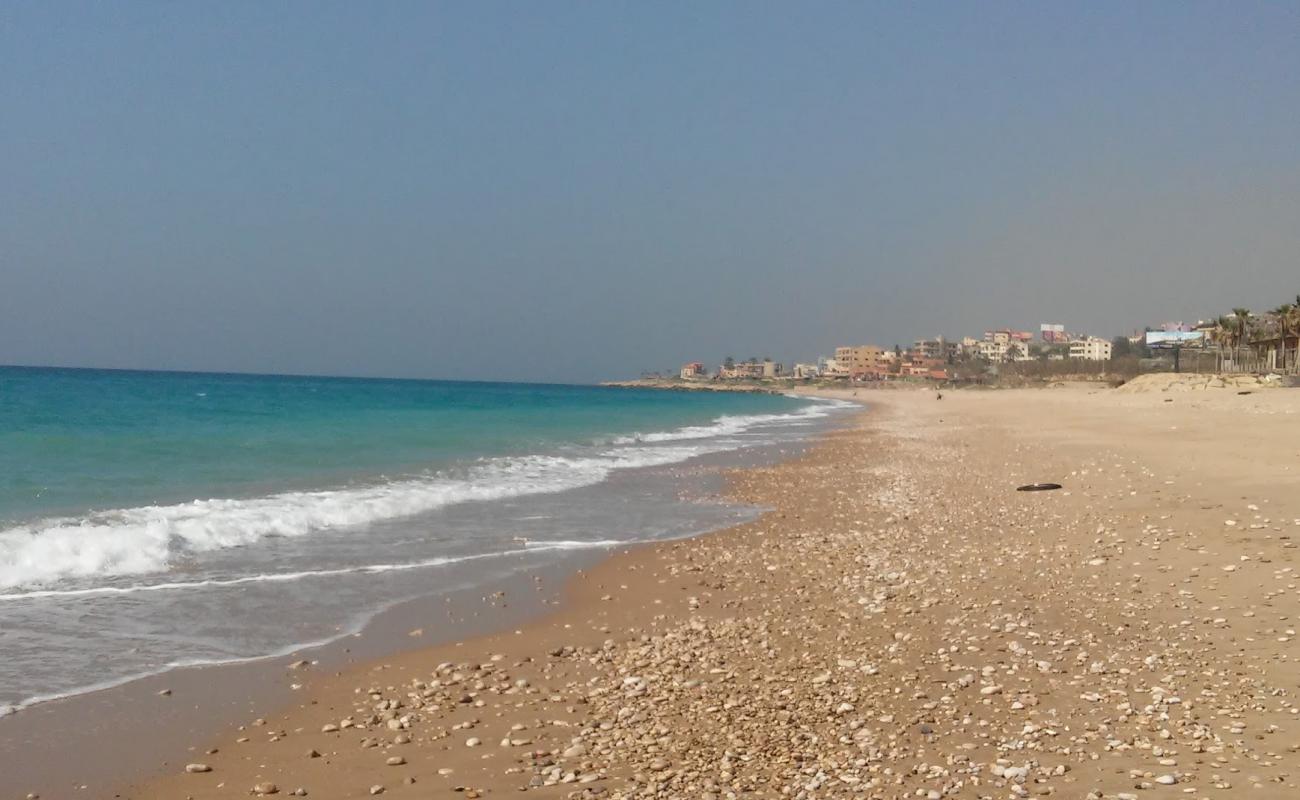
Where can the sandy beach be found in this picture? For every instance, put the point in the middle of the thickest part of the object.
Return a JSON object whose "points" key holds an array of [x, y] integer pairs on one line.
{"points": [[656, 401], [903, 623]]}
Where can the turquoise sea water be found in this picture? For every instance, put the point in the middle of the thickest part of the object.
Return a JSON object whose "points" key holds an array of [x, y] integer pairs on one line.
{"points": [[72, 440], [151, 519]]}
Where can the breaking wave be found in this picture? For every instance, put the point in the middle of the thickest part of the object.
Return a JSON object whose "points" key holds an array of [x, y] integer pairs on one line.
{"points": [[731, 425], [149, 539]]}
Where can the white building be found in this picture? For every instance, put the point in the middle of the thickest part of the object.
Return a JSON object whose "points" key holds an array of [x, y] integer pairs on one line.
{"points": [[831, 368], [992, 351], [1090, 349], [1001, 350], [693, 371]]}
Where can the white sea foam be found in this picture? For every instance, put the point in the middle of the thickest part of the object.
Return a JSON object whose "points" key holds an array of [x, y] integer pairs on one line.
{"points": [[148, 539], [285, 577], [356, 625], [141, 540], [112, 683], [729, 425]]}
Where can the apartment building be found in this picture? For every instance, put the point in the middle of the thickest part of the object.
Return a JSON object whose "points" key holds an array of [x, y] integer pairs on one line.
{"points": [[1090, 349], [862, 361], [929, 348], [1001, 349], [939, 349]]}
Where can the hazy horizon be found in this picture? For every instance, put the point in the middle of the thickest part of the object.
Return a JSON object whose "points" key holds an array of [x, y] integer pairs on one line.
{"points": [[567, 193]]}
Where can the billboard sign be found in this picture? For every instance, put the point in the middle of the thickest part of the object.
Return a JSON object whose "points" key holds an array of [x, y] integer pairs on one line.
{"points": [[1050, 332], [1173, 338]]}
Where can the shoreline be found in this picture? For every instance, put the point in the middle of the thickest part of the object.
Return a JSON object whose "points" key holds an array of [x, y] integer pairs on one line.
{"points": [[581, 588], [348, 628], [196, 702], [902, 623]]}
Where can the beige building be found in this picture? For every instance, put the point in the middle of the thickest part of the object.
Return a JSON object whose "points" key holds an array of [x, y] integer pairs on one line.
{"points": [[861, 360], [742, 370], [930, 348]]}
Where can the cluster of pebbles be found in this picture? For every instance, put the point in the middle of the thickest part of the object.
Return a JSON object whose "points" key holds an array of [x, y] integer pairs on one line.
{"points": [[903, 624]]}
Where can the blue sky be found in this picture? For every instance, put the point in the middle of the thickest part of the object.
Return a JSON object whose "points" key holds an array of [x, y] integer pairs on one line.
{"points": [[572, 191]]}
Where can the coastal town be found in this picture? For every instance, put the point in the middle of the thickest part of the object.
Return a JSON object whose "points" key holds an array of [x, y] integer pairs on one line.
{"points": [[1237, 342], [927, 359]]}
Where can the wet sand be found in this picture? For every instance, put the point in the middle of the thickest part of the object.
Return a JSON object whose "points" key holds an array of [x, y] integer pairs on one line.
{"points": [[902, 624], [91, 744], [142, 727]]}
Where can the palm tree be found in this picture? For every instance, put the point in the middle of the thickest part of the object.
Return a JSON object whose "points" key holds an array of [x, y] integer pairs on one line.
{"points": [[1293, 323], [1222, 336], [1241, 316], [1283, 313]]}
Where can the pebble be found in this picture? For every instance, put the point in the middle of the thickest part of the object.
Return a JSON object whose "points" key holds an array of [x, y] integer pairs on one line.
{"points": [[831, 654]]}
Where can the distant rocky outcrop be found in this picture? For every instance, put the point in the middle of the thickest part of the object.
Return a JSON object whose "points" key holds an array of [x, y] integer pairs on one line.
{"points": [[678, 385]]}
